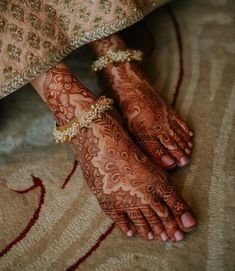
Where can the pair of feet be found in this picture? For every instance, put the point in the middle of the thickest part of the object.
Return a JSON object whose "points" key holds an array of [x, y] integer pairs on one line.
{"points": [[129, 181]]}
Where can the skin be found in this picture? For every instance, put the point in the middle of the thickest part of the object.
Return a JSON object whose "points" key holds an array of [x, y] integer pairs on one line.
{"points": [[155, 126], [132, 190]]}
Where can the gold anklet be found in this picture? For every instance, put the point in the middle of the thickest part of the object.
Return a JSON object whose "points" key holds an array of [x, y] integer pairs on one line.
{"points": [[76, 126], [116, 56]]}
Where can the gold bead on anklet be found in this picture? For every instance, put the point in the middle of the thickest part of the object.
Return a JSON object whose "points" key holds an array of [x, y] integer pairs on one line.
{"points": [[115, 57], [76, 126]]}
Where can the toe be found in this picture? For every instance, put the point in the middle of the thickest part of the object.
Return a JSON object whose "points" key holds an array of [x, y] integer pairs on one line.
{"points": [[184, 126], [122, 222], [178, 206], [190, 144], [156, 151], [188, 220], [185, 138], [140, 223], [164, 236], [179, 236], [168, 161], [174, 149], [154, 222], [177, 135], [165, 217]]}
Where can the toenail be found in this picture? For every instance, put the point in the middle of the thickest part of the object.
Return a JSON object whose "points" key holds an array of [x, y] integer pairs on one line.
{"points": [[150, 236], [187, 220], [187, 150], [179, 235], [164, 236], [183, 161], [190, 144], [168, 160], [130, 233]]}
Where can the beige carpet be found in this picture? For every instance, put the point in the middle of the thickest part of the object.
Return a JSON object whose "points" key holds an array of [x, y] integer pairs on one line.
{"points": [[51, 221]]}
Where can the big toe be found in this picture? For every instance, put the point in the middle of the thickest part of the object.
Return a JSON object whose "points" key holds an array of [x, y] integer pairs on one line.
{"points": [[188, 221], [168, 161]]}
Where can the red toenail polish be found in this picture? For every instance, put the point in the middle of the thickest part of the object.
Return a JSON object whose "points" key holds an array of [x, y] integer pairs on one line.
{"points": [[187, 220], [130, 233], [164, 236], [150, 236], [179, 236]]}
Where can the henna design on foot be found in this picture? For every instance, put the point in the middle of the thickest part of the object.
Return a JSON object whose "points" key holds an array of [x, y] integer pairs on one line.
{"points": [[133, 191], [128, 186], [156, 127]]}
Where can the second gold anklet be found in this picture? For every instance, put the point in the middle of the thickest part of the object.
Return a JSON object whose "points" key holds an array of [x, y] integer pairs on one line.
{"points": [[115, 57]]}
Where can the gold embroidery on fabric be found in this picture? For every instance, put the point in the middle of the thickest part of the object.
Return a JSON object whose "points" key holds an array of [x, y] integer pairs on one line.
{"points": [[77, 30], [2, 24], [13, 52], [124, 2], [31, 59], [50, 12], [62, 40], [48, 29], [47, 44], [119, 12], [17, 12], [3, 5], [33, 40], [63, 22], [70, 5], [35, 21], [35, 5], [105, 6], [84, 14], [9, 72], [16, 32], [55, 54], [97, 21]]}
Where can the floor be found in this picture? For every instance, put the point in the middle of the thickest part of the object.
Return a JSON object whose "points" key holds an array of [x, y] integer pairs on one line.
{"points": [[49, 219]]}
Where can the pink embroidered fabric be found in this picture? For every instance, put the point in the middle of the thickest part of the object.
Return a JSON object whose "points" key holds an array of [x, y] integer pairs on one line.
{"points": [[37, 34]]}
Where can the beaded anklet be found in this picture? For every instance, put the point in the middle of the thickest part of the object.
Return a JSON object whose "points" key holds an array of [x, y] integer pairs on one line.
{"points": [[115, 57], [76, 126]]}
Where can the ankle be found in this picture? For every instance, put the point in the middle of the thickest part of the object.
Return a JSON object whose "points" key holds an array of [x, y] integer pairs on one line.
{"points": [[112, 42], [65, 96]]}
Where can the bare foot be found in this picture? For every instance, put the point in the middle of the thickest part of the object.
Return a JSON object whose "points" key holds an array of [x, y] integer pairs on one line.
{"points": [[134, 192], [156, 127]]}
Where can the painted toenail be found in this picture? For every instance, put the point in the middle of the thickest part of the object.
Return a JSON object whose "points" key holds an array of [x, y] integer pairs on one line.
{"points": [[179, 235], [183, 161], [187, 220], [150, 236], [190, 144], [168, 160], [164, 236], [130, 233], [188, 151]]}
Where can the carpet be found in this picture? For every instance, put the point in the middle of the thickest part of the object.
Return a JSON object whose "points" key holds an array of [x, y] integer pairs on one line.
{"points": [[49, 220]]}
